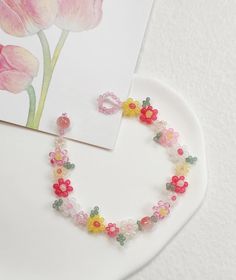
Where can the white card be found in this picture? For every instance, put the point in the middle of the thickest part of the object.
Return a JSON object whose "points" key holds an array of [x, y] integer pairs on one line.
{"points": [[91, 63]]}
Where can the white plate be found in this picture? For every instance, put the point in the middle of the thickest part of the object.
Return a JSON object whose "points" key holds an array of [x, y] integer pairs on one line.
{"points": [[36, 243]]}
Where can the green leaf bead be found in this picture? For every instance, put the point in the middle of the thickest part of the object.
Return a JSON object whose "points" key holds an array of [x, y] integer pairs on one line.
{"points": [[66, 165], [139, 226], [121, 239], [191, 159], [94, 211], [57, 203], [154, 219], [146, 102], [157, 137], [69, 165], [170, 187]]}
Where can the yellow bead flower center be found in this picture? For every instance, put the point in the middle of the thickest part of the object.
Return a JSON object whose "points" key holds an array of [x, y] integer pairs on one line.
{"points": [[58, 156], [149, 114], [169, 135], [163, 212]]}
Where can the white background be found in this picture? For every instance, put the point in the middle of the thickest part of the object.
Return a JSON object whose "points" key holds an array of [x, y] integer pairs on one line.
{"points": [[191, 45]]}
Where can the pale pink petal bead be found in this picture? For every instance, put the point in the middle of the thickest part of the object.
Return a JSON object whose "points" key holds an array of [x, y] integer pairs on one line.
{"points": [[168, 137], [80, 218]]}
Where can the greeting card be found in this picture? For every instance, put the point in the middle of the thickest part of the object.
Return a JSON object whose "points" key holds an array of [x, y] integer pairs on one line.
{"points": [[57, 56]]}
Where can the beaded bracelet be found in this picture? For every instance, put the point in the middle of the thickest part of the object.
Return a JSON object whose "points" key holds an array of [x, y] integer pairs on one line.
{"points": [[93, 221]]}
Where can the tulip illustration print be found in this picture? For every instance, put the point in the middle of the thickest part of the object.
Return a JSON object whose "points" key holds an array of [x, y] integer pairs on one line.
{"points": [[26, 17], [18, 67], [22, 18], [79, 15]]}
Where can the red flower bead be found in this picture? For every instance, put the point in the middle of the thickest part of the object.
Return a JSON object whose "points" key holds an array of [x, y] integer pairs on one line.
{"points": [[148, 115], [179, 184], [112, 230], [62, 188]]}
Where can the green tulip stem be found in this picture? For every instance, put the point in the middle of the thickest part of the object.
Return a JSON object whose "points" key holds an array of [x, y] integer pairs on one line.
{"points": [[47, 76], [59, 48], [32, 106], [49, 66]]}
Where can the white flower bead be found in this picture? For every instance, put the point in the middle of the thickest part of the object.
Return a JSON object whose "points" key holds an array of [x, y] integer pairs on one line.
{"points": [[173, 199], [178, 153], [69, 207], [158, 126], [129, 228]]}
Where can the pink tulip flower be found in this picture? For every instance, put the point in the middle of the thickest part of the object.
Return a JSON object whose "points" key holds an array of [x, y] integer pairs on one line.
{"points": [[18, 67], [78, 15], [26, 17]]}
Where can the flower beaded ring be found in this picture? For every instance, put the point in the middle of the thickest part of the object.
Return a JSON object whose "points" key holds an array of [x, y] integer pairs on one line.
{"points": [[93, 222]]}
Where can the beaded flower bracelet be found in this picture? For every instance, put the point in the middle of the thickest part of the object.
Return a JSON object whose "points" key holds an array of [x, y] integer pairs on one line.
{"points": [[93, 221]]}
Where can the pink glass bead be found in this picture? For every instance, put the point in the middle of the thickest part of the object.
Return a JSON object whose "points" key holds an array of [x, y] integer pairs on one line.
{"points": [[180, 151], [63, 122], [146, 223]]}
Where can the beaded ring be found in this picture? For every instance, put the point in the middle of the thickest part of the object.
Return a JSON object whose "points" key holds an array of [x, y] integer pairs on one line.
{"points": [[93, 221], [110, 98]]}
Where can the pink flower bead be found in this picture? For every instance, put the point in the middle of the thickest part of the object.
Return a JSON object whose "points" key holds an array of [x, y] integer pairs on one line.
{"points": [[81, 218], [161, 210], [168, 137], [59, 157]]}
